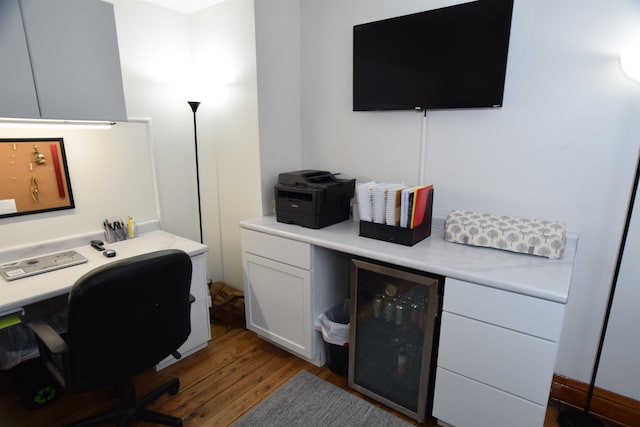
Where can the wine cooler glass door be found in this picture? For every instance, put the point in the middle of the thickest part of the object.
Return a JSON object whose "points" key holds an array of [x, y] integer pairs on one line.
{"points": [[393, 319]]}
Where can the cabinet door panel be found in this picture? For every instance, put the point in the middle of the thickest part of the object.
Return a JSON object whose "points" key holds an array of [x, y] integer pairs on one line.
{"points": [[17, 90], [514, 311], [75, 59], [508, 360], [276, 248], [277, 298], [200, 329], [462, 402]]}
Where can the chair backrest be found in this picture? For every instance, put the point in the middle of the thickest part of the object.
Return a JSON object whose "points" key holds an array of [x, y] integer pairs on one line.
{"points": [[127, 316]]}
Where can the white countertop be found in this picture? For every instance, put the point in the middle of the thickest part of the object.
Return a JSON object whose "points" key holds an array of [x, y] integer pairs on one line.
{"points": [[31, 289], [535, 276]]}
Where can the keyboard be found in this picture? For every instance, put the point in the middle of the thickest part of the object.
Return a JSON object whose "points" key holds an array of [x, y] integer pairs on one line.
{"points": [[42, 264]]}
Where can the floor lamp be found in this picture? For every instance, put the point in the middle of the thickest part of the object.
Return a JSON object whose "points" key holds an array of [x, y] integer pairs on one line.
{"points": [[194, 107], [630, 61]]}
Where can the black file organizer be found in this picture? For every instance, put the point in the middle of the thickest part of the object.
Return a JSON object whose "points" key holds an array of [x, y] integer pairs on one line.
{"points": [[400, 235]]}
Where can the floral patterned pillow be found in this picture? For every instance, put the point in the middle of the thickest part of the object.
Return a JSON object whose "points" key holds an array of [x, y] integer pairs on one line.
{"points": [[528, 236]]}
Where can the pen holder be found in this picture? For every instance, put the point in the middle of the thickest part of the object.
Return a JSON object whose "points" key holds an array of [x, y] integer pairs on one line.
{"points": [[119, 230]]}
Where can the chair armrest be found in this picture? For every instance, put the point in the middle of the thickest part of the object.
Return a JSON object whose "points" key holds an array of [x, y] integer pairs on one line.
{"points": [[49, 337]]}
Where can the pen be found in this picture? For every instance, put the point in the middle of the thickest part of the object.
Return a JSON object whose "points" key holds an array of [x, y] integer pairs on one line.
{"points": [[107, 233], [118, 230], [121, 230]]}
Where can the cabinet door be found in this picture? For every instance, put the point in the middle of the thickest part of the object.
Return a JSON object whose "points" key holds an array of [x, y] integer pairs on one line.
{"points": [[75, 59], [287, 251], [463, 402], [532, 316], [277, 299], [496, 356], [200, 329], [517, 363], [17, 90]]}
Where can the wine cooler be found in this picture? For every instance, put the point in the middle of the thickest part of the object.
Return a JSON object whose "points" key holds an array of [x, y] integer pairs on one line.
{"points": [[394, 334]]}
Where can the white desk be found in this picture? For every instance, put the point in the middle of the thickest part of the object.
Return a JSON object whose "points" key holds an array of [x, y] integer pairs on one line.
{"points": [[23, 293], [501, 321], [524, 274]]}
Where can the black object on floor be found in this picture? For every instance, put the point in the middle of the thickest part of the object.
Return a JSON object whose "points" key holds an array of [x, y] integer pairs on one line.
{"points": [[578, 418], [35, 384]]}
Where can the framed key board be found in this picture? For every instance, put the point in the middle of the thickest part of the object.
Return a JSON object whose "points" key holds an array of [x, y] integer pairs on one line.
{"points": [[33, 176]]}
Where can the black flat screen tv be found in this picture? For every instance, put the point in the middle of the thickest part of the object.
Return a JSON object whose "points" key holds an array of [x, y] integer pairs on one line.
{"points": [[451, 57]]}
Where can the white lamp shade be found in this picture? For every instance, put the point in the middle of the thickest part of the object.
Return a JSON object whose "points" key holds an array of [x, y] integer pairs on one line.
{"points": [[630, 59]]}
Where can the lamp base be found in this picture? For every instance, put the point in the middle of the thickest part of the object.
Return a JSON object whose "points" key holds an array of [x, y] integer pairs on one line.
{"points": [[578, 418]]}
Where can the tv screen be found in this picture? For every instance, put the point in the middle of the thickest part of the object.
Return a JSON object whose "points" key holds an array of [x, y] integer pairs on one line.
{"points": [[452, 57]]}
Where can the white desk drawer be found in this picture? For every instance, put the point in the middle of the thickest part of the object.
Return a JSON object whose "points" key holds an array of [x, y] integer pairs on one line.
{"points": [[462, 402], [280, 249], [505, 359], [523, 313]]}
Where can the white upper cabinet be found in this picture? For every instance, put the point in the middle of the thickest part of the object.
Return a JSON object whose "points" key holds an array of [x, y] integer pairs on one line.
{"points": [[17, 91], [74, 58]]}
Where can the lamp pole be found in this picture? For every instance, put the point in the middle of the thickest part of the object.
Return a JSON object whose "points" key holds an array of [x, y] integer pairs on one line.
{"points": [[194, 107]]}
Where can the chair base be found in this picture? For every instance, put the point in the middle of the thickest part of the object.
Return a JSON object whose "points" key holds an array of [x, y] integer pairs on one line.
{"points": [[132, 409]]}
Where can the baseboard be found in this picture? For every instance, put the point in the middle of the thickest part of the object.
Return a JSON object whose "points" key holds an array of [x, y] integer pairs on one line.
{"points": [[611, 406]]}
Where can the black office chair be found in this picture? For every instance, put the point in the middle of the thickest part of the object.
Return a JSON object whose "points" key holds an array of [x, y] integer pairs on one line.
{"points": [[123, 318]]}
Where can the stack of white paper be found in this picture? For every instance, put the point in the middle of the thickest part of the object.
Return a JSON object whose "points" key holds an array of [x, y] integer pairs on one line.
{"points": [[392, 210], [364, 195], [379, 200]]}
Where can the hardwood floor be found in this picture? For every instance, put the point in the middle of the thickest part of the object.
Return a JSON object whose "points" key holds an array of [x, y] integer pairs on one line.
{"points": [[218, 385]]}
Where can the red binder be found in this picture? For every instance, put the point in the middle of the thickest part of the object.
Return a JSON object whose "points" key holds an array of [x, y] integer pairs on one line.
{"points": [[420, 199]]}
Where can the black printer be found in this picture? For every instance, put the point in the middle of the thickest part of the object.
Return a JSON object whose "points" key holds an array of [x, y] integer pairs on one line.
{"points": [[312, 198]]}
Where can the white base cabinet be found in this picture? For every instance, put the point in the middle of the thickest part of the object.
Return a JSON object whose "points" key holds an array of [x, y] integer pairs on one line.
{"points": [[496, 356], [200, 328], [273, 284], [287, 284], [500, 325]]}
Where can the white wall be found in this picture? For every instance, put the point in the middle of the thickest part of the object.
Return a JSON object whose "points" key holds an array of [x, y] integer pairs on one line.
{"points": [[278, 59], [563, 146], [157, 49], [223, 45], [111, 176], [155, 52]]}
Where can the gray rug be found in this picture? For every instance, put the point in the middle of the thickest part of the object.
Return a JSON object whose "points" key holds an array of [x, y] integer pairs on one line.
{"points": [[306, 400]]}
